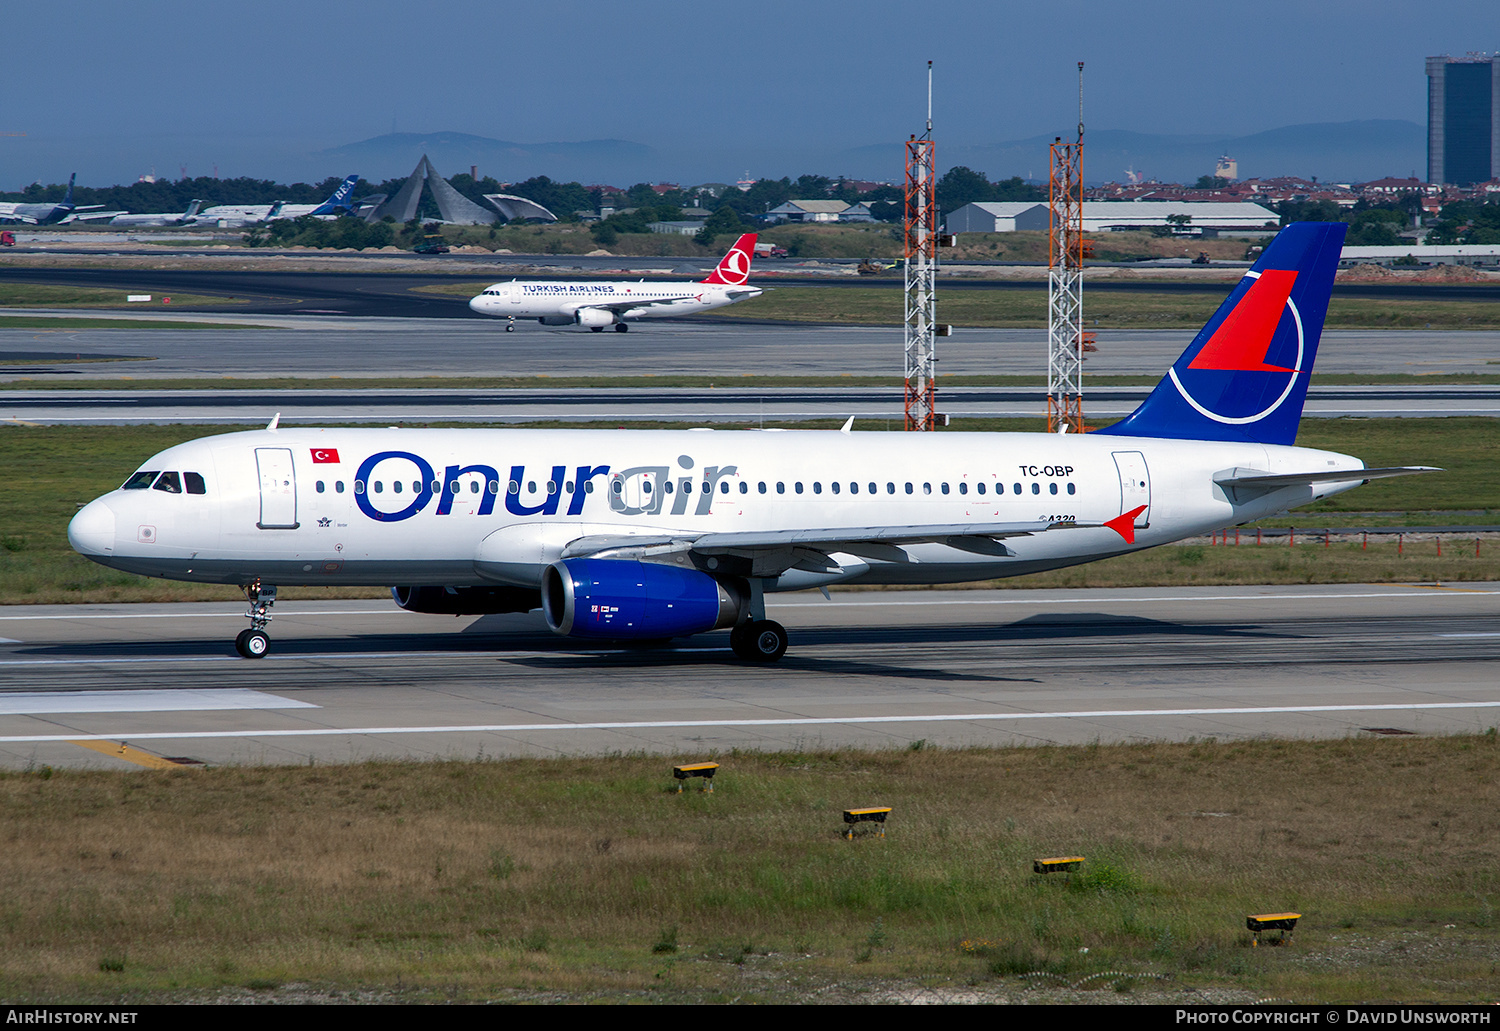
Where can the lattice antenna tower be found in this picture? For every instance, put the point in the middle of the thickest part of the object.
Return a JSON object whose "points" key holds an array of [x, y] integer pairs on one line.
{"points": [[921, 277], [1066, 340]]}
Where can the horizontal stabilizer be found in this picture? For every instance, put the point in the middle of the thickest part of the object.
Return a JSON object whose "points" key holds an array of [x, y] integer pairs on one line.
{"points": [[1267, 481]]}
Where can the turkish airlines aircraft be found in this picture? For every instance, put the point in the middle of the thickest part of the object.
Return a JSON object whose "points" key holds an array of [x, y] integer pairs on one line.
{"points": [[598, 304], [645, 535]]}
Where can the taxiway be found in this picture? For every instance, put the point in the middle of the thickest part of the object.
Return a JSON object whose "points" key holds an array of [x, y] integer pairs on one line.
{"points": [[98, 686]]}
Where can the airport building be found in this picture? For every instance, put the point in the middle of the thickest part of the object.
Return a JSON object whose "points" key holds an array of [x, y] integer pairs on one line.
{"points": [[1463, 119], [998, 217], [820, 211], [1182, 218]]}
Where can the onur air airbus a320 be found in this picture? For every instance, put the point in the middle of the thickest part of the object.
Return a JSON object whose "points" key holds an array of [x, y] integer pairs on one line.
{"points": [[647, 535], [597, 304]]}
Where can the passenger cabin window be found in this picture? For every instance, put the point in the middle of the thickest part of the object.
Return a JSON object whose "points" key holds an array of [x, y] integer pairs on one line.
{"points": [[169, 482], [141, 480]]}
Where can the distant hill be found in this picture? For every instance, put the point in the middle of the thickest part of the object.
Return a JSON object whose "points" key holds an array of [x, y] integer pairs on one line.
{"points": [[1332, 151], [396, 154]]}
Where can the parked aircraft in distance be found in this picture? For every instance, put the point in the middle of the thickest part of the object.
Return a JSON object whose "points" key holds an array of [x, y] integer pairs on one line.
{"points": [[159, 219], [240, 215], [642, 535], [47, 213], [596, 303]]}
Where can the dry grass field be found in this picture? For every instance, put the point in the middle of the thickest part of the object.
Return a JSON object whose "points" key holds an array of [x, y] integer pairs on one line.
{"points": [[584, 879]]}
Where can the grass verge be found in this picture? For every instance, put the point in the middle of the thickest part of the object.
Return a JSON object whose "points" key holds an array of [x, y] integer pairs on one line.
{"points": [[41, 295], [1105, 309], [1027, 309], [555, 879]]}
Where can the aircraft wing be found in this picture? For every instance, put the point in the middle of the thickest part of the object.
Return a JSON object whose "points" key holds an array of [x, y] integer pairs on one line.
{"points": [[620, 307], [774, 551], [1249, 479]]}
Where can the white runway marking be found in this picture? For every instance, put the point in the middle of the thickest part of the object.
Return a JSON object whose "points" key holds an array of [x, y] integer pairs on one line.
{"points": [[35, 702], [972, 717]]}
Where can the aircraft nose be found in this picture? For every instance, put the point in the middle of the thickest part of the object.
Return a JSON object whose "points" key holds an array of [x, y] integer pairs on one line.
{"points": [[92, 531], [477, 302]]}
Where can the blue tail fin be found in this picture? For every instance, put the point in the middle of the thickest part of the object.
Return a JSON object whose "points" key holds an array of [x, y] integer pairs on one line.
{"points": [[340, 199], [68, 197], [1244, 377]]}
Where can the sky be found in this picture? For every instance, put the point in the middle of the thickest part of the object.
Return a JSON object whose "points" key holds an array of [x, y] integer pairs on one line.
{"points": [[770, 88]]}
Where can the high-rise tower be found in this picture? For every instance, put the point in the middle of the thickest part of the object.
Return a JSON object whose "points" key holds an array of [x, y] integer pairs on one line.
{"points": [[1463, 119]]}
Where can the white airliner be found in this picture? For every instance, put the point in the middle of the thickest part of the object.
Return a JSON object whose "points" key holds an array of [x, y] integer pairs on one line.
{"points": [[646, 535], [598, 304], [241, 215], [49, 213], [163, 218]]}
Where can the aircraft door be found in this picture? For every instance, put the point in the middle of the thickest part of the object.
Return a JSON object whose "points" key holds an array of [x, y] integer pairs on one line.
{"points": [[278, 488], [1135, 484]]}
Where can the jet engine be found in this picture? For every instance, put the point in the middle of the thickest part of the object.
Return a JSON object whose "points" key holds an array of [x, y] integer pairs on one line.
{"points": [[622, 599], [466, 601]]}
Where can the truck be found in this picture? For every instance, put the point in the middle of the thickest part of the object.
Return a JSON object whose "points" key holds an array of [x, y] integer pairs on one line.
{"points": [[7, 238], [770, 250]]}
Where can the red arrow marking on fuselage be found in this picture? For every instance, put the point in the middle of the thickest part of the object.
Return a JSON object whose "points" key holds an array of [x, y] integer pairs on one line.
{"points": [[1124, 524]]}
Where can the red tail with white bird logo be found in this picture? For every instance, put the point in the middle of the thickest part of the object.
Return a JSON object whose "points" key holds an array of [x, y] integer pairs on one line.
{"points": [[734, 267]]}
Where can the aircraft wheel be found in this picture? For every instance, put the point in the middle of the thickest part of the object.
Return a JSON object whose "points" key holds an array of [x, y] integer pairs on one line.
{"points": [[767, 640], [510, 329], [620, 327], [252, 644], [596, 329]]}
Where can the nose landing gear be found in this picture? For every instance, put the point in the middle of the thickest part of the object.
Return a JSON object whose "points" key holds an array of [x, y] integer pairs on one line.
{"points": [[510, 324], [255, 642]]}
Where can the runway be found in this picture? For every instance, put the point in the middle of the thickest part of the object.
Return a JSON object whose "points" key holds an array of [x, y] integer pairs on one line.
{"points": [[309, 346], [105, 686]]}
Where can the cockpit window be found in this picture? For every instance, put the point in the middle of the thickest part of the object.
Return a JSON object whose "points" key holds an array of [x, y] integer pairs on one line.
{"points": [[141, 480], [169, 482], [194, 483]]}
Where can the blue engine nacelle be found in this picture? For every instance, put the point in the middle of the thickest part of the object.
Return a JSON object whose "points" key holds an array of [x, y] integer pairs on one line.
{"points": [[623, 599]]}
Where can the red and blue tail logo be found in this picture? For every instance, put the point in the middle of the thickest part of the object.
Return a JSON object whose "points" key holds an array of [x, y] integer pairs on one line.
{"points": [[1245, 375]]}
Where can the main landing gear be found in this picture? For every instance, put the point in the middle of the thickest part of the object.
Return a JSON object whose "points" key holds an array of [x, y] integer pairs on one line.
{"points": [[621, 327], [759, 640], [255, 642]]}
